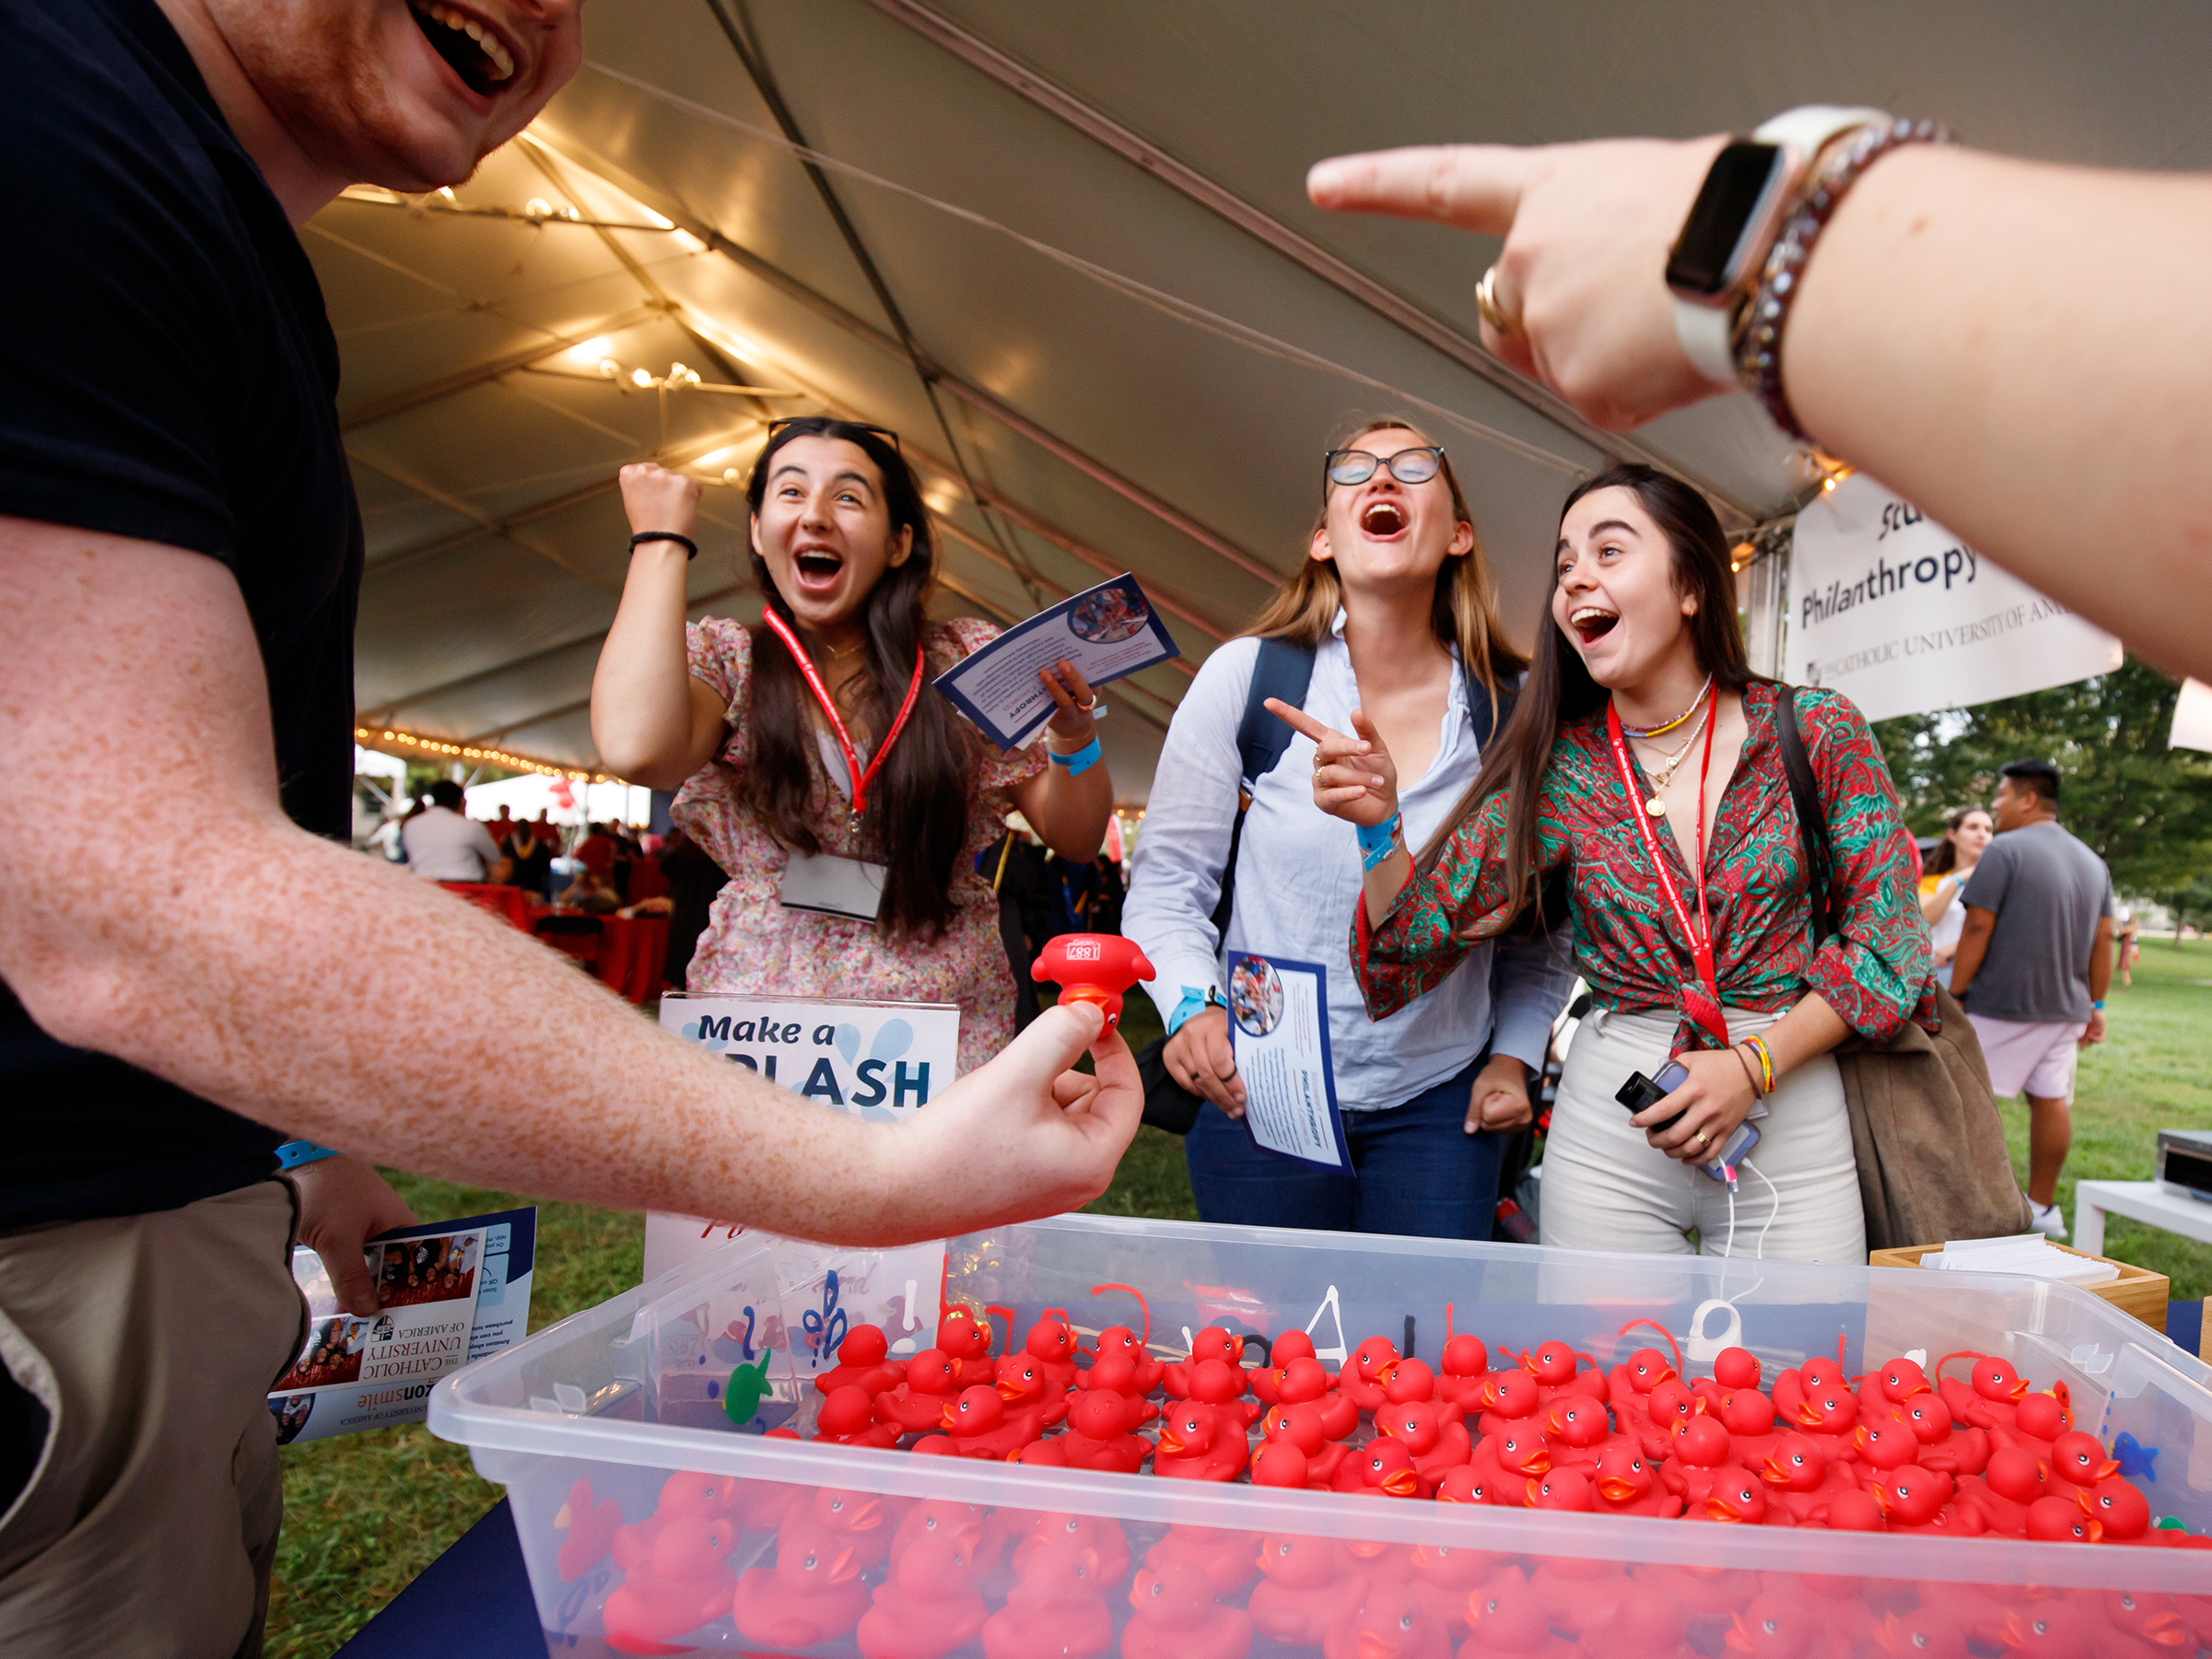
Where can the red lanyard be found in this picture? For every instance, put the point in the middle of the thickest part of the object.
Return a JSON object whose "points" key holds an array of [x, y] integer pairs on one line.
{"points": [[859, 779], [1700, 1002]]}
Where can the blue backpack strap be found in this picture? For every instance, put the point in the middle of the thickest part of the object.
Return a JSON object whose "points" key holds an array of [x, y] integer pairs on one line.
{"points": [[1283, 671]]}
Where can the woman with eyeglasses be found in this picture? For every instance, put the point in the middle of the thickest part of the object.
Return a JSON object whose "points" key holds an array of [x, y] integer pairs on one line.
{"points": [[1639, 798], [1393, 612], [844, 796]]}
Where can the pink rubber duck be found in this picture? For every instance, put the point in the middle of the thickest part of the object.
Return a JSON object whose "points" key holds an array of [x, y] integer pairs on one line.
{"points": [[591, 1526], [966, 1340], [812, 1594], [1443, 1574], [863, 1362], [1229, 1560], [1197, 1445], [1177, 1618], [1092, 967], [1779, 1626], [861, 1520], [1393, 1622], [1098, 1534], [916, 1403], [684, 1494], [686, 1583], [1058, 1606], [1505, 1617], [1118, 1341], [929, 1605], [1308, 1586]]}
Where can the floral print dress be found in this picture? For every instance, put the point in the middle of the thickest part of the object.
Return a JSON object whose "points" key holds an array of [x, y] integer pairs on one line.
{"points": [[753, 943], [1874, 972]]}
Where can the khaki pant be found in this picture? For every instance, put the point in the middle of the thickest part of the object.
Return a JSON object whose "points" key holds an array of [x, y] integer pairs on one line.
{"points": [[149, 1522]]}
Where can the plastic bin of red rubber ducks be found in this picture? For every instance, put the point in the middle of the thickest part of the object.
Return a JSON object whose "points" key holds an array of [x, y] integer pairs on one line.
{"points": [[1053, 1479]]}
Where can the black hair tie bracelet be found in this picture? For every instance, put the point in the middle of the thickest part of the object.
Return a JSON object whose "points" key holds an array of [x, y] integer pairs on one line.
{"points": [[690, 547]]}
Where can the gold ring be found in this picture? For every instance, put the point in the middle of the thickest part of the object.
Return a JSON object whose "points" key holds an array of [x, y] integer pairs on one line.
{"points": [[1486, 302], [1701, 1139]]}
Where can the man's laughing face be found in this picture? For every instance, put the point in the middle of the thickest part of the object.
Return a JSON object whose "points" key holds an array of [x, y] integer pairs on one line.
{"points": [[409, 94]]}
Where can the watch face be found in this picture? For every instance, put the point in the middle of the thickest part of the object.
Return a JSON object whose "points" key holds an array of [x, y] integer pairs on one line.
{"points": [[1740, 186]]}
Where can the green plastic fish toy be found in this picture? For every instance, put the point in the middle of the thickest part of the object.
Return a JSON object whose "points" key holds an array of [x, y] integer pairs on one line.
{"points": [[748, 1387]]}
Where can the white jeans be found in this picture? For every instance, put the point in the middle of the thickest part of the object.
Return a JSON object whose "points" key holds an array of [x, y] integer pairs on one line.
{"points": [[1605, 1187]]}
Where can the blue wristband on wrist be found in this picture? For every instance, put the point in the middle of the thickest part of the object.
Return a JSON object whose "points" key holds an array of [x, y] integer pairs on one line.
{"points": [[2098, 1005], [1376, 840], [1081, 761], [293, 1153]]}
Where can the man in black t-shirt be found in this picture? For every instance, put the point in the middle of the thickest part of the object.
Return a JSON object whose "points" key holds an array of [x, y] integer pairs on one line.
{"points": [[179, 558]]}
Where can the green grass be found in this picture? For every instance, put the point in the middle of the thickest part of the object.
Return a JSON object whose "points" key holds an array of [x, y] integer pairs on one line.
{"points": [[364, 1514], [2150, 1073]]}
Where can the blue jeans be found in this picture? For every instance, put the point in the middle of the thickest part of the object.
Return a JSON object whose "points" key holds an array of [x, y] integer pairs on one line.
{"points": [[1418, 1171]]}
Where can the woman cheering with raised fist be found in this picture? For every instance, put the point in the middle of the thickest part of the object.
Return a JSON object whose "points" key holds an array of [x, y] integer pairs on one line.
{"points": [[1639, 792], [843, 795]]}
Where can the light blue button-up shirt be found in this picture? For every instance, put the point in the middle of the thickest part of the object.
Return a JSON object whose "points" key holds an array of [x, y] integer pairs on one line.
{"points": [[1298, 884]]}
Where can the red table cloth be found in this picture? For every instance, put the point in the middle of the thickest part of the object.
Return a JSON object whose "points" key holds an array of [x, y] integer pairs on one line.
{"points": [[509, 902], [631, 952]]}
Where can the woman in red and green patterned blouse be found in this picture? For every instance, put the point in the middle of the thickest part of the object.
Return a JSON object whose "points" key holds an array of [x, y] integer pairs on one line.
{"points": [[1642, 753]]}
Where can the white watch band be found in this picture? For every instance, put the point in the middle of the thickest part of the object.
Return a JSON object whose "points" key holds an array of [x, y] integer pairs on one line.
{"points": [[1707, 332]]}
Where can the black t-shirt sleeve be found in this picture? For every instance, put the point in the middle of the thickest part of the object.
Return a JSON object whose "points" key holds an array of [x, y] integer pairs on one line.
{"points": [[122, 323]]}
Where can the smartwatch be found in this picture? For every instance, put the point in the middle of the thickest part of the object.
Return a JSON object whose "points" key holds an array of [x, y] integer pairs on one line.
{"points": [[1749, 191]]}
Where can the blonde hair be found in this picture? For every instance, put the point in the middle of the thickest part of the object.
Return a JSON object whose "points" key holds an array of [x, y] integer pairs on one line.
{"points": [[1463, 614]]}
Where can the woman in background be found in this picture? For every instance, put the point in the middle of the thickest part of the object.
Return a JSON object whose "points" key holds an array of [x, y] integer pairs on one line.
{"points": [[1966, 837]]}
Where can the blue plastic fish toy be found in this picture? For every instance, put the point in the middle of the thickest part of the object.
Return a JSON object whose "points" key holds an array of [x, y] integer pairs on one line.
{"points": [[2136, 1459]]}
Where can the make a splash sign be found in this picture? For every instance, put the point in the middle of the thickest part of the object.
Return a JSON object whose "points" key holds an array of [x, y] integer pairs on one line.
{"points": [[867, 1059]]}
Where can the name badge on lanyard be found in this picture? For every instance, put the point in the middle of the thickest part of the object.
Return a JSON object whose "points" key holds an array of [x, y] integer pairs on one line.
{"points": [[829, 885]]}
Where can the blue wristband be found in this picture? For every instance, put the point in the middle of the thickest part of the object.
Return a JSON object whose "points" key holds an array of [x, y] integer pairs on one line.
{"points": [[2098, 1005], [1194, 1002], [1375, 841], [293, 1153], [1081, 761]]}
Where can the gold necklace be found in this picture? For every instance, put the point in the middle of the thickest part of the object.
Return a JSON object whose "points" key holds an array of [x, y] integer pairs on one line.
{"points": [[1695, 704], [1662, 772]]}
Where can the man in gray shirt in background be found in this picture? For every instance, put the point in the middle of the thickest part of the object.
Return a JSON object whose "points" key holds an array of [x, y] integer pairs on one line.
{"points": [[2033, 965]]}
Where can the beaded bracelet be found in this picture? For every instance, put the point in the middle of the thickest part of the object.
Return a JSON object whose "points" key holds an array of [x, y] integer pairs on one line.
{"points": [[1758, 334]]}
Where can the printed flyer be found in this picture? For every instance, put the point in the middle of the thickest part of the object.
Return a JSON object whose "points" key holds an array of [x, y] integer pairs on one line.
{"points": [[447, 1292], [1106, 632], [1279, 1032]]}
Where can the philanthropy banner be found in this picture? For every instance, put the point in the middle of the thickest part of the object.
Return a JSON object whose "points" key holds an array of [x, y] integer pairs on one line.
{"points": [[1903, 617]]}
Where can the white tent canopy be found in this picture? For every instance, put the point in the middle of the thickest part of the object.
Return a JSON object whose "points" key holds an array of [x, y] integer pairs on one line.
{"points": [[1125, 349]]}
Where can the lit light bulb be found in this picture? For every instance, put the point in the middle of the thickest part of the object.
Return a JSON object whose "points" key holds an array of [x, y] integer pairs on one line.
{"points": [[640, 378], [730, 478], [537, 207], [609, 369]]}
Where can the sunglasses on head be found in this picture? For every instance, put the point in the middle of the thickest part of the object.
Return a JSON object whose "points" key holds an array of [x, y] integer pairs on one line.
{"points": [[885, 432], [1356, 466]]}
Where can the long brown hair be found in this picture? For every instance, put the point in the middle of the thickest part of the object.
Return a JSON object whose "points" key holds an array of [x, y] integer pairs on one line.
{"points": [[1464, 613], [1945, 859], [917, 807], [1558, 688]]}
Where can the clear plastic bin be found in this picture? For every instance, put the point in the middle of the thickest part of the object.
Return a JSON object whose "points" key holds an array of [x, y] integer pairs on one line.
{"points": [[584, 1427]]}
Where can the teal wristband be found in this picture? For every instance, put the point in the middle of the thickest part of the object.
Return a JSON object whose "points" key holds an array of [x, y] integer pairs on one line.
{"points": [[1194, 1002], [1081, 761], [1376, 840], [293, 1153], [2098, 1005]]}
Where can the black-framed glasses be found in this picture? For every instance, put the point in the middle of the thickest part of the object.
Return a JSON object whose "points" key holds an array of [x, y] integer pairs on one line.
{"points": [[794, 420], [1408, 466]]}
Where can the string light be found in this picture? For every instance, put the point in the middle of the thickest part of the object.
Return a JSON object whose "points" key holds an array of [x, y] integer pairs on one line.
{"points": [[495, 758]]}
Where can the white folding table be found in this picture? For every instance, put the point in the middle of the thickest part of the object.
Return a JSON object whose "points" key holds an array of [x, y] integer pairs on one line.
{"points": [[2145, 1201]]}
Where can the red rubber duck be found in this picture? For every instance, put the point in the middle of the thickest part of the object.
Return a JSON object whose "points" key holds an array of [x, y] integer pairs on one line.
{"points": [[1558, 1369], [1630, 1383], [863, 1362], [1505, 1617], [1777, 1625], [976, 1425], [1095, 1437], [1308, 1586], [1222, 1385], [1943, 1447], [2118, 1506], [1101, 1535], [1291, 1345], [1701, 1452], [1625, 1485], [847, 1418], [1437, 1446], [1393, 1622], [1998, 1390], [1579, 1595], [1177, 1618], [1667, 1408], [1303, 1382], [1029, 1395], [1443, 1574], [916, 1403], [2056, 1520], [1736, 1368], [1362, 1378], [1828, 1414], [591, 1526], [1057, 1608], [1509, 1458], [1279, 1463], [686, 1583], [1410, 1381], [1563, 1489], [1882, 1448], [2014, 1479], [1896, 1384], [1475, 1483], [1197, 1443], [1734, 1497], [1303, 1427], [2149, 1620], [1509, 1399], [1118, 1341], [966, 1340], [1114, 1375], [862, 1520], [1918, 1500], [936, 1517], [812, 1594], [1749, 1417], [1092, 967], [763, 1504], [929, 1605], [1800, 1478], [1212, 1343], [684, 1494], [1465, 1363], [2079, 1459], [1382, 1468], [1577, 1427], [1230, 1560], [2053, 1630], [1052, 1345]]}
